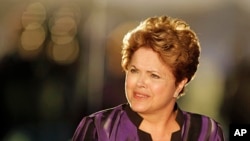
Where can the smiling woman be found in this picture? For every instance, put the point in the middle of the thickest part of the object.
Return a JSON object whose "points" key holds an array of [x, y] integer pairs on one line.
{"points": [[160, 57]]}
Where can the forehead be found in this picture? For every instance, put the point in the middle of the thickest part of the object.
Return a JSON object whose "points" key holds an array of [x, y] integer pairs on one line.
{"points": [[146, 58]]}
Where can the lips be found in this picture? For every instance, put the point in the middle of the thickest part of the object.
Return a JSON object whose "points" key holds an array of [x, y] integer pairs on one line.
{"points": [[140, 95]]}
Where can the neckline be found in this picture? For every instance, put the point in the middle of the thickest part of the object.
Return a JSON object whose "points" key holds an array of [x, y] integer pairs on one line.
{"points": [[136, 119]]}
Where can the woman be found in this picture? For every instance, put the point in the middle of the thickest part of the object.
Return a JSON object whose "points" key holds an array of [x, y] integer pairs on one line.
{"points": [[160, 57]]}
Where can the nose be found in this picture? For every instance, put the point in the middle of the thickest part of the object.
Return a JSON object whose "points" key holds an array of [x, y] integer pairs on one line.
{"points": [[141, 81]]}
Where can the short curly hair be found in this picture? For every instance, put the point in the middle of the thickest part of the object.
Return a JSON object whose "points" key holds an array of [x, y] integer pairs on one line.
{"points": [[177, 45]]}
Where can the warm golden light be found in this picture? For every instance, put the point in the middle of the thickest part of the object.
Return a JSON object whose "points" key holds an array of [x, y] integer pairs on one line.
{"points": [[63, 53], [63, 30], [32, 39], [34, 32], [63, 47], [34, 14]]}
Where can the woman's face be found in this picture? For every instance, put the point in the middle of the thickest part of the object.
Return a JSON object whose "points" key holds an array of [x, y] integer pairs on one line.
{"points": [[150, 84]]}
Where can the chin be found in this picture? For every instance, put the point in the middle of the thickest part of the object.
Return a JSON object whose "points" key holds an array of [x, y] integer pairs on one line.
{"points": [[140, 108]]}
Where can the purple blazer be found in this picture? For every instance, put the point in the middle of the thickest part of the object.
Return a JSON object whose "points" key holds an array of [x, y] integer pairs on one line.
{"points": [[122, 124]]}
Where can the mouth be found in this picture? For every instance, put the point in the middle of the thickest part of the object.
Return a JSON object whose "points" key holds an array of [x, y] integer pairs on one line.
{"points": [[140, 96]]}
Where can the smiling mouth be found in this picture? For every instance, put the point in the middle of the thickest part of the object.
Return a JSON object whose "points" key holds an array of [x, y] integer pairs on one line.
{"points": [[140, 96]]}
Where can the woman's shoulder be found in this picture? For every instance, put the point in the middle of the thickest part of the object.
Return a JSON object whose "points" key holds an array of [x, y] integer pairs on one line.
{"points": [[200, 118], [106, 114], [95, 123], [202, 126]]}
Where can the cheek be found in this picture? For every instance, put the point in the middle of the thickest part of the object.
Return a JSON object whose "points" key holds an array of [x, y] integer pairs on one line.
{"points": [[158, 88], [162, 89], [129, 82], [128, 88]]}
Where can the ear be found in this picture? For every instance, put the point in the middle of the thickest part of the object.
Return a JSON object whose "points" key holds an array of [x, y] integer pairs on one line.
{"points": [[179, 87]]}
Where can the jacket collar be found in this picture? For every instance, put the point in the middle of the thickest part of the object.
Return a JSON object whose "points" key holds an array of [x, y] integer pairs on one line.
{"points": [[136, 119]]}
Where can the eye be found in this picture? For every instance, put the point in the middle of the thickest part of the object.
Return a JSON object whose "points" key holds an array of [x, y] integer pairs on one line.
{"points": [[133, 70], [155, 76]]}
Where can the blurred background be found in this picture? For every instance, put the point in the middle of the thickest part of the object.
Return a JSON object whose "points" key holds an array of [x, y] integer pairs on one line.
{"points": [[60, 61]]}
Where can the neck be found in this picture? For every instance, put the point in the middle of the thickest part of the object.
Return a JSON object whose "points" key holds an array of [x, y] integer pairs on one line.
{"points": [[160, 128], [161, 118], [160, 124]]}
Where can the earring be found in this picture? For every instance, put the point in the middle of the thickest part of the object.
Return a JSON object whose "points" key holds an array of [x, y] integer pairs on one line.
{"points": [[177, 96]]}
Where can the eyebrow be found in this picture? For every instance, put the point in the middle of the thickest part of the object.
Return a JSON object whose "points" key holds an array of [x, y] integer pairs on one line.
{"points": [[149, 71]]}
